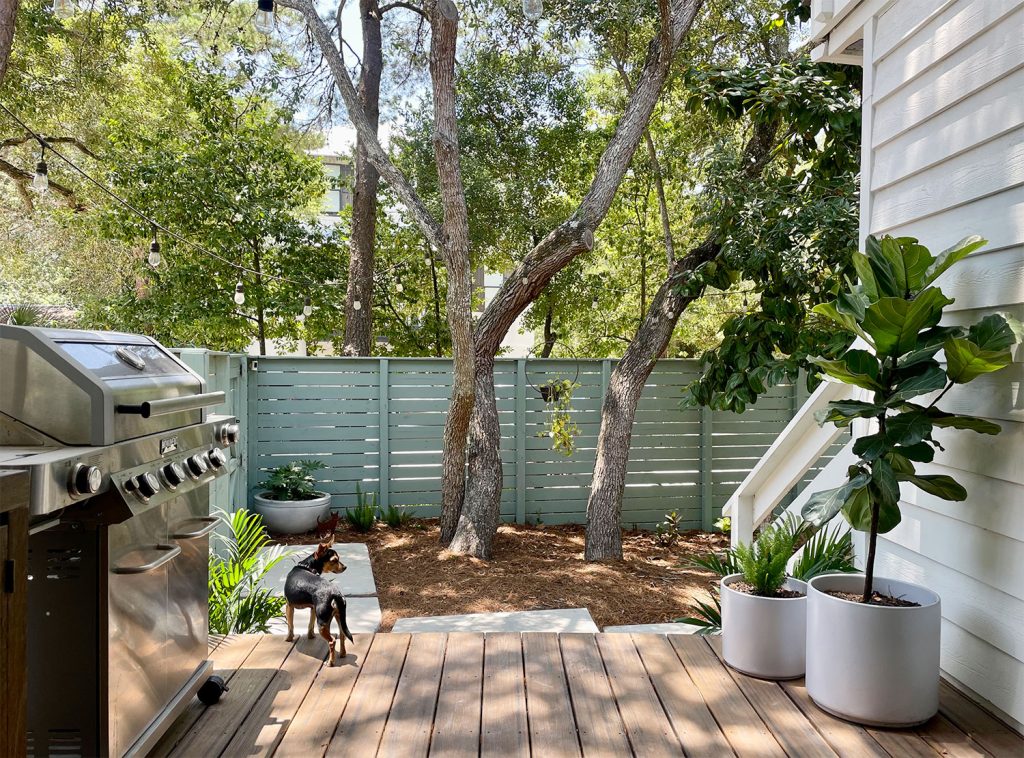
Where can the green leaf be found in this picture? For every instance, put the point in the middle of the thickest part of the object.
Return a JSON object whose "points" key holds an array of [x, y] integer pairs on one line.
{"points": [[921, 452], [887, 265], [831, 312], [856, 367], [870, 447], [933, 378], [867, 277], [852, 304], [918, 356], [966, 361], [822, 506], [915, 260], [992, 333], [894, 323], [842, 412], [908, 428], [955, 421], [939, 485], [857, 511], [883, 482], [948, 257]]}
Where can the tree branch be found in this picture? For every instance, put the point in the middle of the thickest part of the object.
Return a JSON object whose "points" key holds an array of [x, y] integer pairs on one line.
{"points": [[22, 179], [374, 151], [73, 141], [408, 6]]}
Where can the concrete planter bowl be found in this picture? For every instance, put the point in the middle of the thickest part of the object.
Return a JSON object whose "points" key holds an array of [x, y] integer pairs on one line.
{"points": [[871, 664], [292, 516], [764, 636]]}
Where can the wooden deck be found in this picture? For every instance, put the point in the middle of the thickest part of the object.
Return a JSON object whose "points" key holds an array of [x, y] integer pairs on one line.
{"points": [[402, 696]]}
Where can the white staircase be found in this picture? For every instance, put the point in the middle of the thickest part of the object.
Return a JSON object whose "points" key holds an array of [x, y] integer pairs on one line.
{"points": [[787, 461]]}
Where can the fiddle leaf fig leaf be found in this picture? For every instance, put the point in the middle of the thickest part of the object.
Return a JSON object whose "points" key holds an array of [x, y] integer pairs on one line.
{"points": [[857, 367], [954, 421], [842, 412], [852, 304], [857, 511], [933, 378], [883, 482], [940, 485], [948, 257], [894, 323], [845, 320], [867, 277], [921, 452], [908, 428], [823, 506], [870, 447], [966, 361], [992, 333]]}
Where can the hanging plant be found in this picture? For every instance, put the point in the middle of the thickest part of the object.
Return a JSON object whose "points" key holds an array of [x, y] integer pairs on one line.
{"points": [[557, 394]]}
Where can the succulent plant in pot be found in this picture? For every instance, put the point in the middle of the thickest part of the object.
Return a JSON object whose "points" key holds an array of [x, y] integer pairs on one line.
{"points": [[291, 504], [872, 642]]}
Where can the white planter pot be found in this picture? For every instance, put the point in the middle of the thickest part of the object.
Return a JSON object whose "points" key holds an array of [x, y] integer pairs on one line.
{"points": [[873, 664], [764, 636], [292, 516]]}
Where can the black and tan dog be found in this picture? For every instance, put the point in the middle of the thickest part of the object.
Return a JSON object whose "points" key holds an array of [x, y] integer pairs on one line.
{"points": [[306, 587]]}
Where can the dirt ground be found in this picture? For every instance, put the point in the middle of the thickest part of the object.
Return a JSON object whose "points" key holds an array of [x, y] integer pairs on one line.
{"points": [[534, 568]]}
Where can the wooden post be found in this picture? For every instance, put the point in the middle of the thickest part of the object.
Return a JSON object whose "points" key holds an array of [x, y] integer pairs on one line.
{"points": [[384, 465], [707, 476], [520, 440], [742, 521], [249, 427]]}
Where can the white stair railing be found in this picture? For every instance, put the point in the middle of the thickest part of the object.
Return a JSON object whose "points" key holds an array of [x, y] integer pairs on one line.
{"points": [[790, 457]]}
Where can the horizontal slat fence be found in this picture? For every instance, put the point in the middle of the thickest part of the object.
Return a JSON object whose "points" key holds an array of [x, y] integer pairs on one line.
{"points": [[377, 424]]}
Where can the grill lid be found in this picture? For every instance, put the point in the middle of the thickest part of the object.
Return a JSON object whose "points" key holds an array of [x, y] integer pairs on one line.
{"points": [[96, 388]]}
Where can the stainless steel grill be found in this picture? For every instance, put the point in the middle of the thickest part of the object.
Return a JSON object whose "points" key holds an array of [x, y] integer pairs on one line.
{"points": [[114, 432]]}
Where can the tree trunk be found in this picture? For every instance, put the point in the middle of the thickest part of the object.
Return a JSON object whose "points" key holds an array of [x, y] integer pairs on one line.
{"points": [[444, 21], [618, 411], [359, 323], [558, 249], [8, 15], [549, 336]]}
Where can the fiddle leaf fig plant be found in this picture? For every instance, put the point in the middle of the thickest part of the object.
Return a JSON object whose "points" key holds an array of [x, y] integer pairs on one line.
{"points": [[896, 310]]}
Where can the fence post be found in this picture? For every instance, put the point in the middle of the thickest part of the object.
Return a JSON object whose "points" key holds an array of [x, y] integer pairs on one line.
{"points": [[384, 465], [251, 418], [520, 440], [707, 476]]}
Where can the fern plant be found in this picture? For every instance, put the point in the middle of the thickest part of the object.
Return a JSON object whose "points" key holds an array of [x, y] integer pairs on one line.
{"points": [[763, 562], [238, 603]]}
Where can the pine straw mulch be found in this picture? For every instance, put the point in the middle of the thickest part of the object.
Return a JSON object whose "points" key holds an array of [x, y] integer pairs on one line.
{"points": [[534, 568]]}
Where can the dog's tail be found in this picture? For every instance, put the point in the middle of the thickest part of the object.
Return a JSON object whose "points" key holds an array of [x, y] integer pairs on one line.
{"points": [[339, 611]]}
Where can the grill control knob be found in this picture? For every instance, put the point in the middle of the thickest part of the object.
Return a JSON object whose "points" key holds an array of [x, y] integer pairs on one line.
{"points": [[217, 458], [197, 465], [228, 434], [172, 474], [85, 480], [147, 485]]}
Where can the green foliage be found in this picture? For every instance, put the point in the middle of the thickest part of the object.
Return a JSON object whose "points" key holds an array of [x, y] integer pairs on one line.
{"points": [[667, 532], [397, 518], [723, 524], [896, 309], [23, 316], [557, 394], [828, 551], [364, 515], [293, 481], [709, 616], [763, 563], [238, 604], [721, 564]]}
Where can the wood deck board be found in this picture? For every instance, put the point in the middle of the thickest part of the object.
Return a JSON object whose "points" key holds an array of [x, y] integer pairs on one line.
{"points": [[407, 732], [362, 722], [549, 708], [647, 726], [601, 731], [459, 694], [226, 657], [686, 709], [504, 730], [786, 721]]}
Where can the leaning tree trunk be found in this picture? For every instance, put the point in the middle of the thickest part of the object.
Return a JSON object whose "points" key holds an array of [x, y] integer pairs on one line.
{"points": [[359, 322], [8, 14], [618, 411], [482, 504], [444, 21]]}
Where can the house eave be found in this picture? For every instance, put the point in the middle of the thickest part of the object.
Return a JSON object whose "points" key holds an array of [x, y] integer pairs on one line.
{"points": [[837, 28]]}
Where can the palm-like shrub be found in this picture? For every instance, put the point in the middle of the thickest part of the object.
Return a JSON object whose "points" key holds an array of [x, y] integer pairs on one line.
{"points": [[763, 562], [364, 515], [896, 311], [237, 602]]}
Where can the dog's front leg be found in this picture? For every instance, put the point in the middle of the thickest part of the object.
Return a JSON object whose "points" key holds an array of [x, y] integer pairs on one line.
{"points": [[312, 619], [289, 613], [325, 632]]}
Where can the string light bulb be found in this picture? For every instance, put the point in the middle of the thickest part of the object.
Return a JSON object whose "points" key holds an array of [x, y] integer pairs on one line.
{"points": [[240, 293], [356, 305], [533, 9], [595, 303], [63, 8], [41, 180], [399, 288], [307, 306], [264, 19], [154, 250]]}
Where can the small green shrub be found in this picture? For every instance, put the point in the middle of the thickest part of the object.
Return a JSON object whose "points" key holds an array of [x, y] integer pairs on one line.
{"points": [[237, 602], [293, 481], [397, 518], [364, 515], [763, 563], [667, 532], [708, 617]]}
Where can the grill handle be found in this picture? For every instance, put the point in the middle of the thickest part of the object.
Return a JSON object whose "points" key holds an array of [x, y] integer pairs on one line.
{"points": [[210, 524], [173, 404], [170, 552]]}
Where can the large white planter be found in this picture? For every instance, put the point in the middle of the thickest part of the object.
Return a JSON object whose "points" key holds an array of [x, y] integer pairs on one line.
{"points": [[873, 664], [764, 636], [292, 516]]}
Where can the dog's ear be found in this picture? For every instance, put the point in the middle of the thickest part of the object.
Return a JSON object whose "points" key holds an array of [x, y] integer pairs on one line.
{"points": [[328, 543], [323, 547]]}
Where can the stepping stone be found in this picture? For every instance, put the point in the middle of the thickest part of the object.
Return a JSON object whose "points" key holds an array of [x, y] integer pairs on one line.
{"points": [[560, 620], [355, 581], [362, 615], [669, 628]]}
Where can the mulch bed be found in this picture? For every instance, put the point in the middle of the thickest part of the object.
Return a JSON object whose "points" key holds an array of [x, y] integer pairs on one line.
{"points": [[534, 568]]}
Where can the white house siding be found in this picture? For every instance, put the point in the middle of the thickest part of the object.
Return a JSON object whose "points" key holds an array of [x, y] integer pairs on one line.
{"points": [[944, 158]]}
